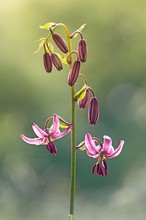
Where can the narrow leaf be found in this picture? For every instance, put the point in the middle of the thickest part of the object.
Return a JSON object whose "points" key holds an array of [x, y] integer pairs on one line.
{"points": [[47, 25], [41, 44], [63, 59], [80, 94], [62, 125], [79, 29]]}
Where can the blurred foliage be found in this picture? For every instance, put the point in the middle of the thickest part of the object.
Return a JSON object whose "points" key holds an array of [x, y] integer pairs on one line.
{"points": [[29, 176]]}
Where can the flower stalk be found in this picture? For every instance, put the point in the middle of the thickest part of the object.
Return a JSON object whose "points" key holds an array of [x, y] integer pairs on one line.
{"points": [[73, 140], [85, 96]]}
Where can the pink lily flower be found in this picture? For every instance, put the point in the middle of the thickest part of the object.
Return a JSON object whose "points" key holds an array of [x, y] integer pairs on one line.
{"points": [[101, 152], [48, 135]]}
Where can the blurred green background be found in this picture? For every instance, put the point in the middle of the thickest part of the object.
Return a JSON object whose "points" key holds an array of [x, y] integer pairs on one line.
{"points": [[34, 185]]}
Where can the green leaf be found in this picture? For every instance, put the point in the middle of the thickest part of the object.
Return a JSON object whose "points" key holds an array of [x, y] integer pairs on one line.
{"points": [[79, 29], [63, 59], [82, 27], [50, 46], [81, 146], [47, 25], [80, 94], [62, 125], [41, 44]]}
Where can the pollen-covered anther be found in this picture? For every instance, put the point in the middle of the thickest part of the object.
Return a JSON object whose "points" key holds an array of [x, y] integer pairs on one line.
{"points": [[47, 62], [60, 42], [82, 50], [56, 61], [74, 73]]}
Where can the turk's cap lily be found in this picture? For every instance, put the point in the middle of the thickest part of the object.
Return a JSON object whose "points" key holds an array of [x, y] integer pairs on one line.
{"points": [[101, 152], [48, 135]]}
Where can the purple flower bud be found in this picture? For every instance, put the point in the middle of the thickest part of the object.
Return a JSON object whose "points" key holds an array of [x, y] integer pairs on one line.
{"points": [[47, 62], [83, 102], [82, 50], [93, 111], [56, 61], [74, 73], [60, 42]]}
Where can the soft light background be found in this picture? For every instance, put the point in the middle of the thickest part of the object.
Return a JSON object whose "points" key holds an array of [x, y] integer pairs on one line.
{"points": [[34, 185]]}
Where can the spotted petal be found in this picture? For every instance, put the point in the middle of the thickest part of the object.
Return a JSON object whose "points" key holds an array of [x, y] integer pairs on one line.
{"points": [[118, 150], [35, 141]]}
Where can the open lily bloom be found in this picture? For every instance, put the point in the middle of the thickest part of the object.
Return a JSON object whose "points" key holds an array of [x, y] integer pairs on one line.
{"points": [[101, 152], [47, 136]]}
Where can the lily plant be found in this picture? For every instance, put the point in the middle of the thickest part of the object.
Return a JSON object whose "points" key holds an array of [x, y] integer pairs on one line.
{"points": [[84, 97]]}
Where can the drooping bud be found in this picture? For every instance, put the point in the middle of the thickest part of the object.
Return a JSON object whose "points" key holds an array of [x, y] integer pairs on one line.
{"points": [[83, 102], [93, 111], [82, 50], [47, 62], [60, 42], [51, 148], [56, 61], [74, 73]]}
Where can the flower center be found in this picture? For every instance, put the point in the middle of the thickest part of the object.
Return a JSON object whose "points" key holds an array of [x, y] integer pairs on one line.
{"points": [[101, 157]]}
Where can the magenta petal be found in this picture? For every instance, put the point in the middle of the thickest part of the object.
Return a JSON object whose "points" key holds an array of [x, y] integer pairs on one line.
{"points": [[55, 128], [107, 143], [36, 141], [118, 150], [61, 134], [38, 131], [90, 145], [91, 154]]}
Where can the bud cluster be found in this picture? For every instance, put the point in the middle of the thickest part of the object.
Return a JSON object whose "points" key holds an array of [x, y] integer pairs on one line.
{"points": [[85, 96]]}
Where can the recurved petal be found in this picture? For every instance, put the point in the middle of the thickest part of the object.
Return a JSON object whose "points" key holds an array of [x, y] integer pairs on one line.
{"points": [[90, 145], [61, 134], [35, 141], [118, 150], [38, 131], [55, 128], [107, 143]]}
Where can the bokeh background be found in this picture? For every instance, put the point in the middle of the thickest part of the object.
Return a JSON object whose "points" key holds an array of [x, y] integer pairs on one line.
{"points": [[34, 185]]}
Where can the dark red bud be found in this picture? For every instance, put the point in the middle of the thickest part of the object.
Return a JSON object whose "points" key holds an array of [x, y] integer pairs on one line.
{"points": [[83, 102], [93, 111], [56, 61], [47, 62], [74, 73], [60, 42], [82, 50]]}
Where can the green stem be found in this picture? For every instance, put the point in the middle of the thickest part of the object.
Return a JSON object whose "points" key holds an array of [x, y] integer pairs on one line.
{"points": [[73, 157], [73, 137]]}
